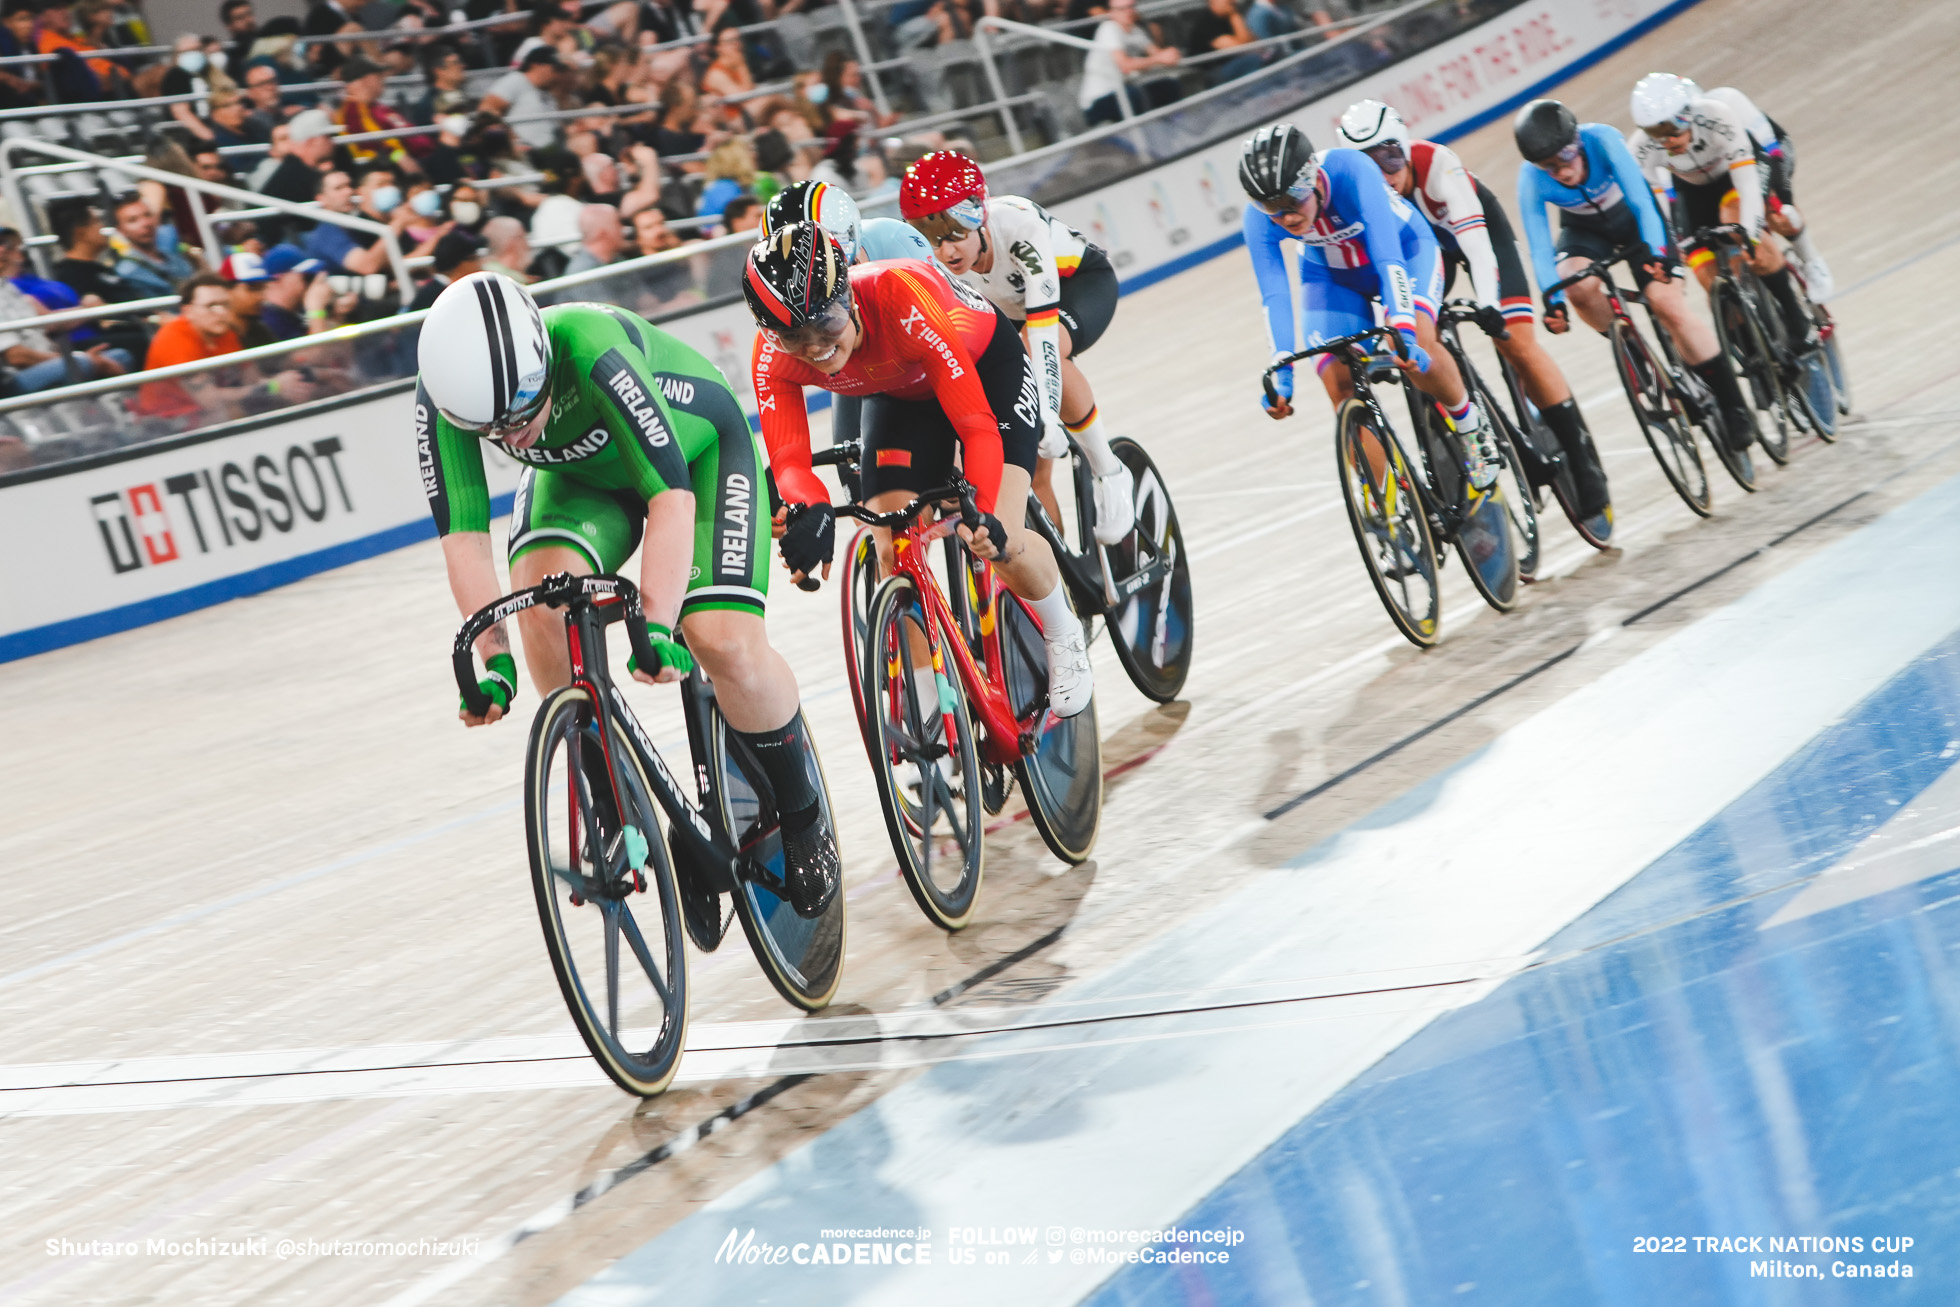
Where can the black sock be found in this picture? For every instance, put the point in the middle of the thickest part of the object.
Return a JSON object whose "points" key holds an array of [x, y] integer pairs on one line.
{"points": [[1721, 381], [783, 757], [1588, 476], [1794, 317]]}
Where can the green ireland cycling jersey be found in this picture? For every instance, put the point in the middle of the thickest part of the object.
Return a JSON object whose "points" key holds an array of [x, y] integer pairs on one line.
{"points": [[634, 412]]}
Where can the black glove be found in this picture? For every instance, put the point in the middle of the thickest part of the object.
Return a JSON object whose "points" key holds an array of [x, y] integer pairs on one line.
{"points": [[809, 537], [1491, 319], [996, 533]]}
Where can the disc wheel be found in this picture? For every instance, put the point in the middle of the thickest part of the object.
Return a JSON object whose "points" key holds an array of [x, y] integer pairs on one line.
{"points": [[858, 584], [1061, 778], [1661, 419], [924, 758], [1753, 341], [1390, 527], [613, 930], [802, 956], [1151, 626]]}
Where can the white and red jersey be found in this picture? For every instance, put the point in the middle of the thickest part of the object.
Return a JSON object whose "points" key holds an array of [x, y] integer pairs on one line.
{"points": [[1033, 252], [1446, 192]]}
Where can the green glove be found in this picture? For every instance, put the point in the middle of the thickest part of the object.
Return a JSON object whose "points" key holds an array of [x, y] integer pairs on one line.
{"points": [[668, 650], [501, 684]]}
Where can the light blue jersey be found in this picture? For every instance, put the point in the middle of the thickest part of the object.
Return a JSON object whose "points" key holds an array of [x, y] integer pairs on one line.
{"points": [[888, 238], [1612, 192]]}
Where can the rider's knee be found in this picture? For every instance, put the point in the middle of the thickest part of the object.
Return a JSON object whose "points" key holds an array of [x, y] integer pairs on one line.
{"points": [[723, 638]]}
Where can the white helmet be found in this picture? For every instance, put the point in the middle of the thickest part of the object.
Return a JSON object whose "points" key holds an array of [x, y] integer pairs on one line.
{"points": [[1369, 123], [1662, 99], [484, 354]]}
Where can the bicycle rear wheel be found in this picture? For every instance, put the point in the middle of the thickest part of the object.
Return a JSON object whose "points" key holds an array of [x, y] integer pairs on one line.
{"points": [[1151, 625], [613, 930], [1391, 528], [1753, 347], [802, 956], [858, 584], [1661, 420], [1062, 778], [1520, 504], [925, 760], [1834, 360]]}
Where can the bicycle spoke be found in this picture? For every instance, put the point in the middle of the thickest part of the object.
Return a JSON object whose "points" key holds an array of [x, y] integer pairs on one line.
{"points": [[637, 942], [610, 911]]}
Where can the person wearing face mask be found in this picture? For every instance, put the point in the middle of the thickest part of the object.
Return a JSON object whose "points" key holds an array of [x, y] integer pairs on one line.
{"points": [[466, 207], [361, 253], [190, 74]]}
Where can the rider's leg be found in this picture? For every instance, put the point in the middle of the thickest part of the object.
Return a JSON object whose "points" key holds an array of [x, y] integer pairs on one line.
{"points": [[1586, 297], [1695, 338], [560, 525], [1545, 386], [1767, 260], [542, 630], [1786, 221]]}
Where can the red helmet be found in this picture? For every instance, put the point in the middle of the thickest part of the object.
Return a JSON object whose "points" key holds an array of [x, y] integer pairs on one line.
{"points": [[944, 194]]}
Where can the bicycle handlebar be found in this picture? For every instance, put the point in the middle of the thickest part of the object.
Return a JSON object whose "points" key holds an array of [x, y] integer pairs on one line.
{"points": [[837, 455], [1600, 268], [958, 488], [1266, 377], [1725, 233], [1469, 310], [555, 591]]}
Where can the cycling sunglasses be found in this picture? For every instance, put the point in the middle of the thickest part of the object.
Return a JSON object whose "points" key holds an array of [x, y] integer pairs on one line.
{"points": [[1668, 130], [505, 426], [1290, 200], [1566, 155], [1388, 157], [954, 224], [827, 325]]}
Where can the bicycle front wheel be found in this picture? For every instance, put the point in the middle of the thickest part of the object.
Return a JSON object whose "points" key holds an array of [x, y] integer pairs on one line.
{"points": [[1750, 346], [1840, 379], [1520, 503], [1062, 777], [1390, 525], [612, 928], [924, 758], [858, 584], [802, 956], [1661, 419], [1151, 625]]}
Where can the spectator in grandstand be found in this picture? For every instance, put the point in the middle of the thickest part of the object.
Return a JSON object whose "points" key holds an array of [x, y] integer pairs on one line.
{"points": [[96, 22], [209, 165], [728, 77], [602, 184], [844, 93], [466, 206], [555, 222], [74, 81], [601, 238], [457, 255], [1123, 48], [509, 249], [645, 193], [327, 17], [150, 264], [77, 227], [343, 249], [363, 110], [447, 77], [525, 92], [670, 284], [265, 108], [189, 75], [1267, 19], [1221, 27], [231, 122], [299, 300], [242, 26], [730, 172], [297, 178], [27, 351], [202, 329], [276, 151], [20, 87], [248, 280]]}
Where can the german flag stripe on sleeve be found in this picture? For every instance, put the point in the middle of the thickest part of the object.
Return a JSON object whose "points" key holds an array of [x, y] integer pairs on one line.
{"points": [[1066, 264], [1047, 317]]}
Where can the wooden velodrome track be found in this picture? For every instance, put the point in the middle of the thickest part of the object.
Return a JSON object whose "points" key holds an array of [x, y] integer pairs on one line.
{"points": [[258, 828]]}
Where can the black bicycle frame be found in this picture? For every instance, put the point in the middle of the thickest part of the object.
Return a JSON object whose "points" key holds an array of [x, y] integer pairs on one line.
{"points": [[703, 841]]}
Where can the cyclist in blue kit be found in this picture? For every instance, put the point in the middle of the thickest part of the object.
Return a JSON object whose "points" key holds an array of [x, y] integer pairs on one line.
{"points": [[1363, 244]]}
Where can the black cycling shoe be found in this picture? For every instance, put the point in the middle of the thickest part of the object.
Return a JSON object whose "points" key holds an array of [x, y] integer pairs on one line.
{"points": [[812, 870], [1740, 426]]}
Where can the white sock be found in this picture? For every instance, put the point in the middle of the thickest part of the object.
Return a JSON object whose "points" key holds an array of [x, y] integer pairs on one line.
{"points": [[1095, 445], [1054, 614]]}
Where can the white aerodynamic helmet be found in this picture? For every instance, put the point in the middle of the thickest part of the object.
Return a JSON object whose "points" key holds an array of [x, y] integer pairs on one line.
{"points": [[1370, 123], [1662, 100], [484, 354]]}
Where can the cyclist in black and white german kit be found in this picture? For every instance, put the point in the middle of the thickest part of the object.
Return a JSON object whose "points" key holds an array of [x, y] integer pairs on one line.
{"points": [[1721, 173]]}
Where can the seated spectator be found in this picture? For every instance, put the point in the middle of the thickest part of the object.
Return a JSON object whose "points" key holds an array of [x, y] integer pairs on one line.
{"points": [[602, 241], [1266, 19], [203, 329], [74, 81], [363, 110], [652, 235], [241, 25], [728, 76], [457, 255], [378, 199], [280, 145], [671, 284], [209, 165], [602, 184], [547, 29], [646, 182], [525, 92], [466, 206], [730, 172], [248, 279], [844, 93], [149, 265], [298, 297], [447, 77], [509, 250], [96, 21], [1220, 27], [1123, 48], [232, 122], [189, 75], [266, 107], [554, 224], [20, 87], [678, 128], [297, 178], [35, 362]]}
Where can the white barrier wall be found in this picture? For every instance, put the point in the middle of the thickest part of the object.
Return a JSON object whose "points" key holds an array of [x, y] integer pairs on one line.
{"points": [[152, 535]]}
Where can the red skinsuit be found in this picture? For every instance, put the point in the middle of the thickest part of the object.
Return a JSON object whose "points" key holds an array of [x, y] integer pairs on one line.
{"points": [[918, 341]]}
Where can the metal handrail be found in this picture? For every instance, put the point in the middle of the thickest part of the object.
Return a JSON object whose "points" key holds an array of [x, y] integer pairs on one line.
{"points": [[73, 317], [340, 335], [111, 52], [242, 198]]}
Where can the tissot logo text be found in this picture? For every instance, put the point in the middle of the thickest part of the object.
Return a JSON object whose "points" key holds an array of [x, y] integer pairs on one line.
{"points": [[231, 506]]}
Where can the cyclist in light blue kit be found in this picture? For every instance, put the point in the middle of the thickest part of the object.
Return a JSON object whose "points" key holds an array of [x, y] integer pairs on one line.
{"points": [[1363, 244], [1591, 177]]}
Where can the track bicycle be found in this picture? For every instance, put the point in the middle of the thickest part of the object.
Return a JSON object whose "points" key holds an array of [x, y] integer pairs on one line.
{"points": [[1400, 505], [1668, 401], [1750, 327], [932, 663], [1520, 500], [615, 898], [1832, 360]]}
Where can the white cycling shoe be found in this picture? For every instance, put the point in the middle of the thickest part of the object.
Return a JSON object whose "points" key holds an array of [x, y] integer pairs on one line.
{"points": [[1070, 682], [1817, 280], [1116, 508], [1479, 452]]}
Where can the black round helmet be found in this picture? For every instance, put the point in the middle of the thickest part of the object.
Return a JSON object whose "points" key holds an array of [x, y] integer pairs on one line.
{"points": [[1543, 128], [794, 277], [809, 201], [1277, 168]]}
